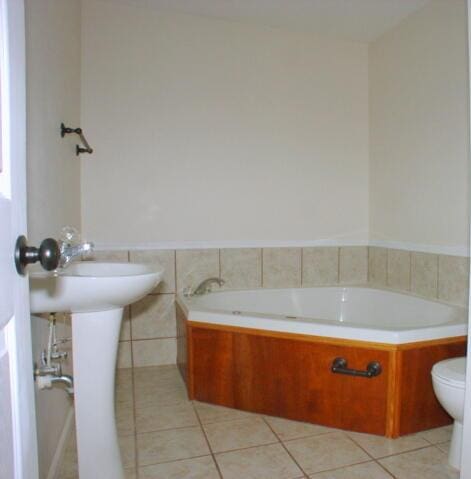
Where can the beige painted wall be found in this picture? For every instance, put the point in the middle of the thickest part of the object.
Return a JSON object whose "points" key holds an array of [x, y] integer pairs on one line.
{"points": [[212, 130], [53, 96], [419, 129]]}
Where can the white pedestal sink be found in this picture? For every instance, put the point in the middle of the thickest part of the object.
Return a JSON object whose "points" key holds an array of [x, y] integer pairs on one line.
{"points": [[95, 294]]}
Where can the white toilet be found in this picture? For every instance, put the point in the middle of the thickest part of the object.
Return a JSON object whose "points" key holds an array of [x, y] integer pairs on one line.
{"points": [[448, 378]]}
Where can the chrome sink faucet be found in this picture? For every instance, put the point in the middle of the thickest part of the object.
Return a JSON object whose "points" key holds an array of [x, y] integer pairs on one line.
{"points": [[204, 287], [70, 246]]}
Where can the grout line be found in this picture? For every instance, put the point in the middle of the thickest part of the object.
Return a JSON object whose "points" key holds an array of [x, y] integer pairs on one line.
{"points": [[338, 265], [132, 350], [246, 448], [388, 455], [175, 428], [207, 441], [398, 453], [384, 468], [174, 460], [134, 414], [219, 261], [260, 268], [262, 261], [367, 265], [339, 468], [302, 267], [175, 270], [428, 441], [410, 270], [151, 339], [359, 445], [438, 277], [250, 415], [130, 315], [317, 434], [285, 448]]}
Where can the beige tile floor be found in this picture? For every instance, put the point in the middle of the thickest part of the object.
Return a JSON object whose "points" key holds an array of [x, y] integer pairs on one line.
{"points": [[165, 436]]}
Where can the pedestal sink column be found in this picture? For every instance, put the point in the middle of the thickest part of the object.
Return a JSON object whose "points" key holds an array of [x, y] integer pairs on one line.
{"points": [[95, 339]]}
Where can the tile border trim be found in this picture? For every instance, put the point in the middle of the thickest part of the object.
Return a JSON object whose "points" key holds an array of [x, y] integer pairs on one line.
{"points": [[456, 250]]}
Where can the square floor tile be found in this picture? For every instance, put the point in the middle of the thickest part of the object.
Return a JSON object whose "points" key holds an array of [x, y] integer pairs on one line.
{"points": [[166, 417], [428, 463], [230, 435], [124, 396], [444, 446], [156, 373], [262, 462], [160, 396], [128, 450], [124, 388], [437, 435], [130, 473], [69, 466], [157, 377], [209, 413], [170, 445], [380, 446], [123, 377], [368, 470], [197, 468], [324, 452], [124, 420], [286, 429]]}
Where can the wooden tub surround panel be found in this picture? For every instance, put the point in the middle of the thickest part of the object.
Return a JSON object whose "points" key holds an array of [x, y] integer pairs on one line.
{"points": [[288, 378], [418, 406], [289, 375]]}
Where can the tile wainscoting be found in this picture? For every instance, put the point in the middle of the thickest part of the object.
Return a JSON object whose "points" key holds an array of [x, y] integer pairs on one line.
{"points": [[148, 334]]}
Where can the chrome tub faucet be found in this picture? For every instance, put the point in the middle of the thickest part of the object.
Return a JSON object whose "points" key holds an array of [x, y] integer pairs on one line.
{"points": [[204, 287]]}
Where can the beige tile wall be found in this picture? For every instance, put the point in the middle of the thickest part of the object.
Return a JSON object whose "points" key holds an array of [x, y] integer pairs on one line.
{"points": [[320, 266], [148, 335], [431, 276], [281, 267]]}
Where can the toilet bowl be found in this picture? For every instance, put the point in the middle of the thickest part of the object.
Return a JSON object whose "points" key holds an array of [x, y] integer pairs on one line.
{"points": [[448, 378]]}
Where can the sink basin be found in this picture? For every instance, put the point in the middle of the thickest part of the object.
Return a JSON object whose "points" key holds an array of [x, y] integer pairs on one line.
{"points": [[95, 295], [91, 286]]}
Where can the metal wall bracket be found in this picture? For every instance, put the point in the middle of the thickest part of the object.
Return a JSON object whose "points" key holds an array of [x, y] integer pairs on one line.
{"points": [[78, 131]]}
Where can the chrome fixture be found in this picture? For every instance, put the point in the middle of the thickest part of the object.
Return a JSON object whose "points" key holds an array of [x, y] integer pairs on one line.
{"points": [[204, 287], [49, 373], [70, 246], [78, 131], [49, 380]]}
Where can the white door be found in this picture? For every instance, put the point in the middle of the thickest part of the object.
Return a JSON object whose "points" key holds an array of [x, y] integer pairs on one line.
{"points": [[18, 443], [466, 446]]}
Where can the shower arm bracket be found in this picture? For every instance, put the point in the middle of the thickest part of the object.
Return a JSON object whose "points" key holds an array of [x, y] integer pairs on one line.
{"points": [[78, 131]]}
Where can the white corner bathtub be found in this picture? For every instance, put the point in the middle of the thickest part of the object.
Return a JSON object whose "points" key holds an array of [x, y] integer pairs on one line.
{"points": [[355, 313]]}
